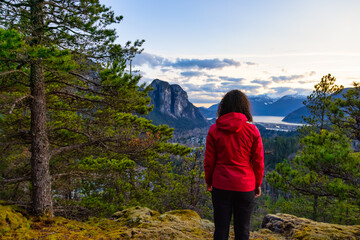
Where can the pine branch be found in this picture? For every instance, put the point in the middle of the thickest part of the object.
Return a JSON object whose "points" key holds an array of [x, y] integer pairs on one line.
{"points": [[70, 148], [12, 71], [77, 110], [72, 130], [20, 4], [78, 87], [73, 96], [309, 191]]}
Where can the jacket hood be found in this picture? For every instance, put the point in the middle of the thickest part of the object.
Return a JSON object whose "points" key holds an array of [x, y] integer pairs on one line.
{"points": [[232, 122]]}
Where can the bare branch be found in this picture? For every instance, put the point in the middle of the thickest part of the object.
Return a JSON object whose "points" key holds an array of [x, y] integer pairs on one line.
{"points": [[22, 4], [12, 71], [28, 178], [13, 60], [15, 180], [75, 173], [78, 87], [85, 78], [17, 101]]}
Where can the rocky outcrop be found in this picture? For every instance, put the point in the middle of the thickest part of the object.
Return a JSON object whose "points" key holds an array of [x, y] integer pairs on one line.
{"points": [[286, 226], [172, 107], [132, 223], [144, 223]]}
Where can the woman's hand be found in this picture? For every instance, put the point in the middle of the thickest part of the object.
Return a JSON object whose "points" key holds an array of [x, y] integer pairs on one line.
{"points": [[209, 187], [257, 192]]}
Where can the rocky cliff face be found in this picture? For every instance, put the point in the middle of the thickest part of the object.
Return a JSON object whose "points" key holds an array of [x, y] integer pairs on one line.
{"points": [[172, 107]]}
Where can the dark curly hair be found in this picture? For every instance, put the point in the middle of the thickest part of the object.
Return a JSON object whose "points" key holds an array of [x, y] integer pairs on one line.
{"points": [[235, 101]]}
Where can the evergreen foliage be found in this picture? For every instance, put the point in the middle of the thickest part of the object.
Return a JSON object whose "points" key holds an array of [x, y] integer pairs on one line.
{"points": [[70, 113], [278, 148], [326, 166], [345, 112], [319, 101]]}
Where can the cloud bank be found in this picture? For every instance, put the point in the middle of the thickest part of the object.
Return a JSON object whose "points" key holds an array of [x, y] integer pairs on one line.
{"points": [[192, 74], [278, 79], [207, 80], [184, 63], [261, 82]]}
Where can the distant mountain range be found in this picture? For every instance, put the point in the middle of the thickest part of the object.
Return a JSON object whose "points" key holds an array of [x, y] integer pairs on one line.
{"points": [[172, 107], [296, 115], [263, 105]]}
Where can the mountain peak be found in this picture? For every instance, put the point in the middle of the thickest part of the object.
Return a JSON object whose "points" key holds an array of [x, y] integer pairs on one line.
{"points": [[294, 96], [158, 82], [172, 107]]}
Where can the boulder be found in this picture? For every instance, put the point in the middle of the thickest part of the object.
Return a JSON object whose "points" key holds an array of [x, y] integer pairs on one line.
{"points": [[287, 226]]}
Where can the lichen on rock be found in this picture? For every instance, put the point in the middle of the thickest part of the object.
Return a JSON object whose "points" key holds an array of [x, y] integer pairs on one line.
{"points": [[293, 227], [177, 224], [135, 215], [144, 223]]}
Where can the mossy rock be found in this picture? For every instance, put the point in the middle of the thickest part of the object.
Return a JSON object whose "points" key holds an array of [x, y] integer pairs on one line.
{"points": [[135, 215], [144, 223], [184, 214], [266, 234], [304, 229], [207, 225]]}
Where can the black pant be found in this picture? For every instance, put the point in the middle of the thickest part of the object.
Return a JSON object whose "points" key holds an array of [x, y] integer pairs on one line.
{"points": [[225, 203]]}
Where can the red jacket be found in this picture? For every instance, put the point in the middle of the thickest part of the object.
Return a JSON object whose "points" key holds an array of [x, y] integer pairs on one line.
{"points": [[234, 155]]}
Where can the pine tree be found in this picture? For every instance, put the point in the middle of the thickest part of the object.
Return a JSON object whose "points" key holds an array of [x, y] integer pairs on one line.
{"points": [[345, 112], [319, 101], [66, 96], [325, 166]]}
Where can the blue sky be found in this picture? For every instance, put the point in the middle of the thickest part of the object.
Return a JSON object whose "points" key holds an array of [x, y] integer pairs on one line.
{"points": [[273, 47]]}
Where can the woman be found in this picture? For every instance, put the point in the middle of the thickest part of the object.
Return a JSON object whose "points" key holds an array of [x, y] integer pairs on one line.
{"points": [[234, 165]]}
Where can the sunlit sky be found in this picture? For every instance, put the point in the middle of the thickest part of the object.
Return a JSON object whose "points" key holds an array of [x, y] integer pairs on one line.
{"points": [[274, 47]]}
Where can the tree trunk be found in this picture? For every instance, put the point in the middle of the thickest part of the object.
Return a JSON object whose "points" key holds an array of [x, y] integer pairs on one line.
{"points": [[315, 207], [40, 173]]}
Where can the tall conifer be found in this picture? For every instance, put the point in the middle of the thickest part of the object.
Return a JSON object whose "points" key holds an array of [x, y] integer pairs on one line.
{"points": [[65, 90]]}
